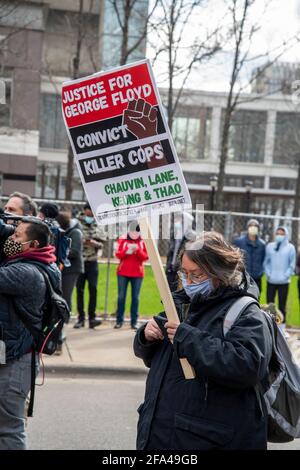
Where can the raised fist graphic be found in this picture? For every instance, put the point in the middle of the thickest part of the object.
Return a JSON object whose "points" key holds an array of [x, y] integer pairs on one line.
{"points": [[141, 119]]}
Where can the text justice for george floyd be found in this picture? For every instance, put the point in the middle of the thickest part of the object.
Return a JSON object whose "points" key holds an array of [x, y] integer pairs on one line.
{"points": [[97, 93]]}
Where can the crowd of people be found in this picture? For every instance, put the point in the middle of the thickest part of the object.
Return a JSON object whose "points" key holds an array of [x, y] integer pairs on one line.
{"points": [[206, 275], [277, 260]]}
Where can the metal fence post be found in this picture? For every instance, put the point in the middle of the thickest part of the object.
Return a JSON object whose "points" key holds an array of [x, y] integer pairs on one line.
{"points": [[106, 314], [228, 226]]}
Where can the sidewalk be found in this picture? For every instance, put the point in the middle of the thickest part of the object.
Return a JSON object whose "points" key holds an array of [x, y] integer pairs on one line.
{"points": [[106, 350], [94, 351]]}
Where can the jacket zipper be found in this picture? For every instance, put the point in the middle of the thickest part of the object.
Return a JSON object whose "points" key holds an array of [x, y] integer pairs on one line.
{"points": [[206, 389]]}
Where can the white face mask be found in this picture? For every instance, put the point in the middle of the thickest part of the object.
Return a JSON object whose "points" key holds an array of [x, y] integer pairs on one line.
{"points": [[253, 230]]}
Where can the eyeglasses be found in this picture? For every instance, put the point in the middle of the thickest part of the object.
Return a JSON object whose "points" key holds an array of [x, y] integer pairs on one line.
{"points": [[194, 278]]}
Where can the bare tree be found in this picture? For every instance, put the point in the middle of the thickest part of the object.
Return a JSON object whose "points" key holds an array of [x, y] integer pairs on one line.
{"points": [[171, 46], [133, 24], [9, 11], [242, 31], [81, 31], [125, 11]]}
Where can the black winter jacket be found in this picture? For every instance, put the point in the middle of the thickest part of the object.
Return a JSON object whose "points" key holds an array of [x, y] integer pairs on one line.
{"points": [[22, 292], [219, 409]]}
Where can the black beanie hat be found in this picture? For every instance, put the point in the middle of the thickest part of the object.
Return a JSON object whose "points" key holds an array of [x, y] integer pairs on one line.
{"points": [[49, 210]]}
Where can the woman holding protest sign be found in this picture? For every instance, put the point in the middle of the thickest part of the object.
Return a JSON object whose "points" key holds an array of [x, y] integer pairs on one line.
{"points": [[220, 408]]}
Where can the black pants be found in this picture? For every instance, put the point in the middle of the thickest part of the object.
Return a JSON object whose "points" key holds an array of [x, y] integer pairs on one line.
{"points": [[282, 290], [68, 282], [91, 276]]}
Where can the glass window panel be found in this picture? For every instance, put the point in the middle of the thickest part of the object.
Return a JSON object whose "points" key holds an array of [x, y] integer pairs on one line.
{"points": [[287, 139], [247, 136], [179, 134], [5, 108], [52, 128], [192, 146]]}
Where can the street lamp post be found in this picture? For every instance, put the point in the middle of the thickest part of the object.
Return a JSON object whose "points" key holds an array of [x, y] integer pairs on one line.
{"points": [[213, 181], [248, 189]]}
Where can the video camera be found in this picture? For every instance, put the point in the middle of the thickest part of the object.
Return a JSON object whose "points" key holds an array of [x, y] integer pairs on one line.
{"points": [[8, 216], [7, 229]]}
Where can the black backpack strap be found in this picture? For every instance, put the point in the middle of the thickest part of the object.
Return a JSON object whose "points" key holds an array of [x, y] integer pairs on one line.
{"points": [[32, 385]]}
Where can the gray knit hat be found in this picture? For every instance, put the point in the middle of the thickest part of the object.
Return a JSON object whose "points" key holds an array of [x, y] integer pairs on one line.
{"points": [[253, 222]]}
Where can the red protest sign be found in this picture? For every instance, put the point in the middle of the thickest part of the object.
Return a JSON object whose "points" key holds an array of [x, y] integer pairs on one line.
{"points": [[122, 145], [106, 96]]}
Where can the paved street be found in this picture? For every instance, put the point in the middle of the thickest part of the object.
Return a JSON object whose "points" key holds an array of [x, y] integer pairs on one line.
{"points": [[91, 413], [86, 414]]}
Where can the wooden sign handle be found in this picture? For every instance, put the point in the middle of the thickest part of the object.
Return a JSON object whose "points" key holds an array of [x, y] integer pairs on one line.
{"points": [[162, 284]]}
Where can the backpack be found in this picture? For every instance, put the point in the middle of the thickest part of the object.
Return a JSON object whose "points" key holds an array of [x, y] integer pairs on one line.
{"points": [[62, 245], [281, 388], [56, 313]]}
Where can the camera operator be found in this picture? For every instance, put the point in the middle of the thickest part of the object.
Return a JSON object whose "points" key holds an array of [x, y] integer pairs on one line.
{"points": [[20, 204], [22, 295]]}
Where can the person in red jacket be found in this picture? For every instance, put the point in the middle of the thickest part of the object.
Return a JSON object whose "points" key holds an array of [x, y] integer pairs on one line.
{"points": [[132, 253]]}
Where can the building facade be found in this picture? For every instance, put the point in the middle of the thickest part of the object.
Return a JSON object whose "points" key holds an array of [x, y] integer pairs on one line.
{"points": [[263, 149], [39, 40]]}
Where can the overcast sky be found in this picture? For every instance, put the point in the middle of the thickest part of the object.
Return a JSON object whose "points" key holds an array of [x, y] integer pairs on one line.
{"points": [[280, 22]]}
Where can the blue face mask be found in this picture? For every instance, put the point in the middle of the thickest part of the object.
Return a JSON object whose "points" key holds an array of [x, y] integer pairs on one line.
{"points": [[89, 220], [279, 238], [204, 288]]}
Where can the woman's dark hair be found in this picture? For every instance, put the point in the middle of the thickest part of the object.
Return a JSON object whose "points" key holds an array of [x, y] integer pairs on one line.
{"points": [[64, 219], [37, 230], [217, 258]]}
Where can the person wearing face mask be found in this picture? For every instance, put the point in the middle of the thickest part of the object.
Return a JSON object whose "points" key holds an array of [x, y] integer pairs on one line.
{"points": [[132, 253], [220, 408], [92, 240], [22, 295], [254, 249], [279, 266]]}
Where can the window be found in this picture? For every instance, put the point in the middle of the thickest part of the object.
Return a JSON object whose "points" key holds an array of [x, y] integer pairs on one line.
{"points": [[51, 181], [240, 181], [112, 40], [247, 136], [5, 102], [287, 139], [197, 178], [52, 128], [191, 133], [283, 183]]}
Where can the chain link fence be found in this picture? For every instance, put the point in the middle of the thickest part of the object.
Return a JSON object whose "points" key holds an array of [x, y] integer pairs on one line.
{"points": [[234, 224], [229, 224]]}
